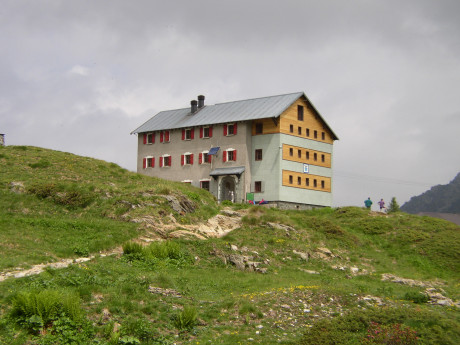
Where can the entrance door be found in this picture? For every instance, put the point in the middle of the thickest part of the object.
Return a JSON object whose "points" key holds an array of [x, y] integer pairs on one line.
{"points": [[227, 188]]}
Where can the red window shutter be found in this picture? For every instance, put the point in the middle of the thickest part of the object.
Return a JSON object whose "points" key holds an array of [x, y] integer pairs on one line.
{"points": [[153, 162], [234, 128], [153, 138], [183, 134], [182, 159], [170, 161], [192, 133], [167, 136], [161, 162], [161, 136], [144, 162], [234, 155], [224, 156], [225, 130], [210, 132], [191, 158], [201, 132], [145, 138], [209, 158], [200, 158]]}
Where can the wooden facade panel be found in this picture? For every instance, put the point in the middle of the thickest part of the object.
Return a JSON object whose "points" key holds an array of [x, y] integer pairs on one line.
{"points": [[268, 126], [307, 181], [306, 156], [310, 121]]}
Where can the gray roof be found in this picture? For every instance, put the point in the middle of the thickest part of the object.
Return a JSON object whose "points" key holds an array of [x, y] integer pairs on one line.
{"points": [[245, 110], [227, 171]]}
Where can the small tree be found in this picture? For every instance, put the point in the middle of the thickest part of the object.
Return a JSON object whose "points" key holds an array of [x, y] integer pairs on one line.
{"points": [[393, 206]]}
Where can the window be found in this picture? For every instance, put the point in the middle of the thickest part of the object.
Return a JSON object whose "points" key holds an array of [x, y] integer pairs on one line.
{"points": [[204, 157], [165, 161], [315, 134], [307, 181], [164, 137], [290, 179], [307, 155], [259, 128], [307, 131], [229, 155], [299, 130], [149, 138], [258, 155], [205, 185], [299, 180], [323, 136], [291, 151], [230, 129], [206, 132], [315, 156], [148, 162], [258, 186], [187, 181], [291, 128], [299, 153], [300, 112], [186, 159], [322, 184], [315, 183], [323, 158], [188, 134]]}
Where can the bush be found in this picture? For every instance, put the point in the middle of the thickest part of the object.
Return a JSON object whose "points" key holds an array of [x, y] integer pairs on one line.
{"points": [[390, 334], [132, 248], [416, 297], [40, 164], [36, 310], [186, 319]]}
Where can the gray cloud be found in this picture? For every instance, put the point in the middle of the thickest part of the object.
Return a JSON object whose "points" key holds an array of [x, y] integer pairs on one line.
{"points": [[79, 76]]}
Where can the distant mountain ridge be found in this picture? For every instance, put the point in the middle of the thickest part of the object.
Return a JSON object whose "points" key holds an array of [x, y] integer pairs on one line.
{"points": [[440, 198]]}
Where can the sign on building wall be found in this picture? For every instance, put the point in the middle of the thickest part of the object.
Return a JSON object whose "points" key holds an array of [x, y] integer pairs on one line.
{"points": [[305, 168]]}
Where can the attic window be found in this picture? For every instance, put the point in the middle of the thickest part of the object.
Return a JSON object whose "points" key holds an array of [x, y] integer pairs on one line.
{"points": [[323, 136], [259, 128], [300, 113], [315, 134], [307, 131], [291, 128]]}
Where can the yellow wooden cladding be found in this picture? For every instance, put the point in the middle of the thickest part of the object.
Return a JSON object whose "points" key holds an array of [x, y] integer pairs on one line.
{"points": [[303, 156], [307, 181], [269, 126], [311, 121]]}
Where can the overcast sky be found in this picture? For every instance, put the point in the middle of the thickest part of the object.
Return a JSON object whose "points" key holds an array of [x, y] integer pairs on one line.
{"points": [[79, 76]]}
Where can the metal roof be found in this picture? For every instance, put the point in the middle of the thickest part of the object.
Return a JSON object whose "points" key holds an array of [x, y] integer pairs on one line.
{"points": [[227, 171], [245, 110]]}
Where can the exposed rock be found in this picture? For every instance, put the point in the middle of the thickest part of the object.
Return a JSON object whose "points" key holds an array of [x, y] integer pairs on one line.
{"points": [[280, 226], [303, 256], [181, 206], [186, 234], [230, 213], [404, 281], [233, 247], [237, 260], [436, 297], [17, 187], [165, 292], [308, 271]]}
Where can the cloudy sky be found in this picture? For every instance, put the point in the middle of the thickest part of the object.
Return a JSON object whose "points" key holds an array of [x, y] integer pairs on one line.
{"points": [[79, 76]]}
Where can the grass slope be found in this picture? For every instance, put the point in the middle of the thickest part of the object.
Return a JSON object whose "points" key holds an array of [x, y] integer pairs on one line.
{"points": [[187, 291]]}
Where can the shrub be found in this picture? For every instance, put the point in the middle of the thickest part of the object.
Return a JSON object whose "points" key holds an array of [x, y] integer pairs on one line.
{"points": [[186, 319], [37, 309], [132, 248], [390, 334], [416, 297], [40, 164]]}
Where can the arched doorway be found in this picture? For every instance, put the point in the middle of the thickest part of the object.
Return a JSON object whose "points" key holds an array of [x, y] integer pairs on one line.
{"points": [[227, 189]]}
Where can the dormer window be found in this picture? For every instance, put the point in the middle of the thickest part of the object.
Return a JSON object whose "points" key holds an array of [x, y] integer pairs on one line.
{"points": [[230, 129]]}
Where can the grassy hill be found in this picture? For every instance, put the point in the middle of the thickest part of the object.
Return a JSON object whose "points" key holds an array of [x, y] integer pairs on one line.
{"points": [[328, 276]]}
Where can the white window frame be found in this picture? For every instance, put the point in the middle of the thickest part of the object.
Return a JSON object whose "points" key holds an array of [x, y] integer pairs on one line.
{"points": [[202, 158], [166, 156], [147, 161], [226, 152], [187, 154]]}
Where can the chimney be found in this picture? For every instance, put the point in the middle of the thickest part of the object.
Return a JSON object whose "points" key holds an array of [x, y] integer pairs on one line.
{"points": [[200, 101], [193, 104]]}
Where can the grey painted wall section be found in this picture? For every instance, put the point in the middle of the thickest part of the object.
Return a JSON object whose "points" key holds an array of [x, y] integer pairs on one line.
{"points": [[196, 172]]}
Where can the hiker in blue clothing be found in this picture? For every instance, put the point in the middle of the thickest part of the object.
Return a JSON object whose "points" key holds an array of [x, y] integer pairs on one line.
{"points": [[368, 203]]}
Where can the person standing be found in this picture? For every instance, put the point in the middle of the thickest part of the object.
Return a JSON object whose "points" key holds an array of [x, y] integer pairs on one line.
{"points": [[382, 205], [368, 203]]}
